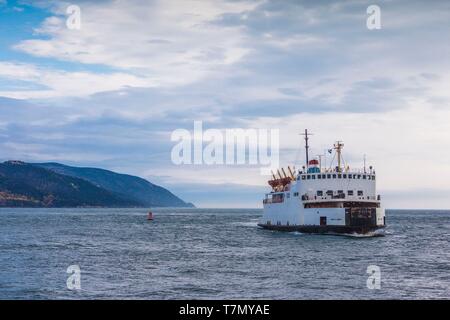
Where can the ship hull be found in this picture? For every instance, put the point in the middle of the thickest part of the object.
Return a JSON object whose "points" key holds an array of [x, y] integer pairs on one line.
{"points": [[344, 230]]}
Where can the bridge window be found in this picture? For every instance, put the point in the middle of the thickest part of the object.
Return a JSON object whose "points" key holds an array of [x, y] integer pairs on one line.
{"points": [[328, 176], [360, 193], [329, 192], [339, 176], [303, 177], [319, 176], [373, 177], [278, 198], [344, 176], [308, 177], [364, 176], [324, 176], [340, 191], [313, 176], [319, 193], [359, 176], [350, 176], [295, 194], [350, 192], [334, 176]]}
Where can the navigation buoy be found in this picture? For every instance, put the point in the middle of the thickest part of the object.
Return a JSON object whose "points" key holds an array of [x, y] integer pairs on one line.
{"points": [[150, 215]]}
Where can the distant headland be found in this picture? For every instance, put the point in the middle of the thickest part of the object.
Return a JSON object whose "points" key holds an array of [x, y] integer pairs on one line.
{"points": [[60, 186]]}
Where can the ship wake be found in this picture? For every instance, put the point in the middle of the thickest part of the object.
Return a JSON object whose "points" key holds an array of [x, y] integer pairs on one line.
{"points": [[372, 234]]}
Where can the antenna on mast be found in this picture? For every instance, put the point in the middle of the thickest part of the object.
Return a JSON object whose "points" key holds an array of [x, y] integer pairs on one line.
{"points": [[306, 134], [338, 147], [364, 163]]}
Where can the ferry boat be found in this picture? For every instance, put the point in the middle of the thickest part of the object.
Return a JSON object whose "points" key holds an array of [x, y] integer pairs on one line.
{"points": [[333, 200]]}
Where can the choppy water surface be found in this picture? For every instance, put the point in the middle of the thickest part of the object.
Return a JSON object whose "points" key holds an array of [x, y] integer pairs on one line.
{"points": [[215, 254]]}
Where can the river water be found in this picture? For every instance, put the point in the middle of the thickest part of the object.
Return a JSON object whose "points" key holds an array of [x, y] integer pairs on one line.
{"points": [[215, 254]]}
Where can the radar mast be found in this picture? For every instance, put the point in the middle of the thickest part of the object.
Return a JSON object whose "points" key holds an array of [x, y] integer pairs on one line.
{"points": [[338, 147]]}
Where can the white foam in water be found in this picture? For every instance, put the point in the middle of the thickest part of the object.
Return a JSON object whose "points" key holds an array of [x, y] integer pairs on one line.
{"points": [[377, 233], [247, 224]]}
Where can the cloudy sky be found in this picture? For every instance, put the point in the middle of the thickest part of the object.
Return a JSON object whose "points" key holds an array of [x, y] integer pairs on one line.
{"points": [[110, 94]]}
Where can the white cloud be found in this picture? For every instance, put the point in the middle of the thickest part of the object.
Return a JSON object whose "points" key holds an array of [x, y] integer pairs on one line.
{"points": [[33, 152], [209, 175], [295, 42], [169, 42], [59, 83]]}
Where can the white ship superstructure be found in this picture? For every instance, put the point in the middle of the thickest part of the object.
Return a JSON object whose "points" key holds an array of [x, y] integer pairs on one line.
{"points": [[337, 199]]}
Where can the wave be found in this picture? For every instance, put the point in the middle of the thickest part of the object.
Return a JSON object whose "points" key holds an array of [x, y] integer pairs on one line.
{"points": [[247, 223], [296, 233], [372, 234]]}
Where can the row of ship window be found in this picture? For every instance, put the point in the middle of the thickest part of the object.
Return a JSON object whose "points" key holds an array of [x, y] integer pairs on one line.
{"points": [[337, 176], [320, 193]]}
